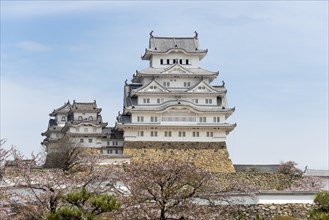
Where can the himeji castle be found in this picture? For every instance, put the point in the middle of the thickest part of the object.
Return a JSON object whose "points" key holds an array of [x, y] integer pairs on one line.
{"points": [[171, 108]]}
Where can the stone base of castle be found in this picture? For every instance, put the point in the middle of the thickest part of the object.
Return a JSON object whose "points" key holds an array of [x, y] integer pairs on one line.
{"points": [[212, 156]]}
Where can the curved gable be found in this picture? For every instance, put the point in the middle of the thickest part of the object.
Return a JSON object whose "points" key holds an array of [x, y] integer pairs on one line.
{"points": [[176, 69], [153, 86], [202, 87]]}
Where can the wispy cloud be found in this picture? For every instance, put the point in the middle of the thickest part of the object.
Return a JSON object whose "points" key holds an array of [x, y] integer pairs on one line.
{"points": [[45, 8], [32, 46]]}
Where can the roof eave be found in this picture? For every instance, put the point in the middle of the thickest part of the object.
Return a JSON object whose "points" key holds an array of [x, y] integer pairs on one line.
{"points": [[149, 53]]}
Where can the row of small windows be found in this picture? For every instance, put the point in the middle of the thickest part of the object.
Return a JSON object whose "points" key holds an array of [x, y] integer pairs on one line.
{"points": [[152, 118], [85, 130], [158, 101], [155, 119], [187, 84], [174, 61], [147, 100], [180, 134], [114, 143], [208, 101], [110, 151], [167, 84], [204, 119]]}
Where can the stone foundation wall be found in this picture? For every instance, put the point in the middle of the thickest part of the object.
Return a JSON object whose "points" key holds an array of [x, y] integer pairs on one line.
{"points": [[211, 156], [268, 211], [259, 181]]}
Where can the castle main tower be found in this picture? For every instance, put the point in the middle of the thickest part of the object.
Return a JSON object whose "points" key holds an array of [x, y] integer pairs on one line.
{"points": [[171, 108]]}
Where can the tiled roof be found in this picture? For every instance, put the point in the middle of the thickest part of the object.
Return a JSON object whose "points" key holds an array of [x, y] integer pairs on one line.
{"points": [[189, 44], [109, 132], [194, 71], [310, 172], [84, 106], [179, 102], [164, 44], [262, 168], [63, 109]]}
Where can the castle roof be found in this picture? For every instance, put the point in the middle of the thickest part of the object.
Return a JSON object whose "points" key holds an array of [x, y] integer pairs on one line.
{"points": [[162, 45], [64, 109], [110, 133], [182, 103], [176, 70], [85, 107], [226, 126]]}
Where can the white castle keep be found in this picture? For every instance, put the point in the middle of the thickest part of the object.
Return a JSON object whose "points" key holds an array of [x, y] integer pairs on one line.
{"points": [[173, 99], [171, 107]]}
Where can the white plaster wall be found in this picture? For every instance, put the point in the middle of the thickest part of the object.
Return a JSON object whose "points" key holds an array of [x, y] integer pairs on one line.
{"points": [[282, 199], [132, 135], [267, 199], [90, 129], [147, 118], [96, 142]]}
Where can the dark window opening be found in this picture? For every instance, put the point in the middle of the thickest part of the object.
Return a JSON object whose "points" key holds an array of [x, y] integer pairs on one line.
{"points": [[168, 61], [161, 61], [180, 61], [187, 63]]}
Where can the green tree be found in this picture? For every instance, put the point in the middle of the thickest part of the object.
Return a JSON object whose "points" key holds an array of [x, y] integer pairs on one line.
{"points": [[84, 204], [322, 210]]}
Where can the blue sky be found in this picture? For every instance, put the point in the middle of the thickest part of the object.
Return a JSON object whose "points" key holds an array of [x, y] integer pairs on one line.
{"points": [[272, 55]]}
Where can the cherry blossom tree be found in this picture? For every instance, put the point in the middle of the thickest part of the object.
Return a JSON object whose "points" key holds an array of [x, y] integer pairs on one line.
{"points": [[67, 156], [4, 154], [173, 189], [289, 168], [44, 188]]}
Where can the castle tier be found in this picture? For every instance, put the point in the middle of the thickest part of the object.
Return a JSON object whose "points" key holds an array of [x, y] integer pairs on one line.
{"points": [[171, 108], [82, 124]]}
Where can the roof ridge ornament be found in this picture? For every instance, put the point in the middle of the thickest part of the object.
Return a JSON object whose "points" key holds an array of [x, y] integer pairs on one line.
{"points": [[151, 34], [196, 35]]}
